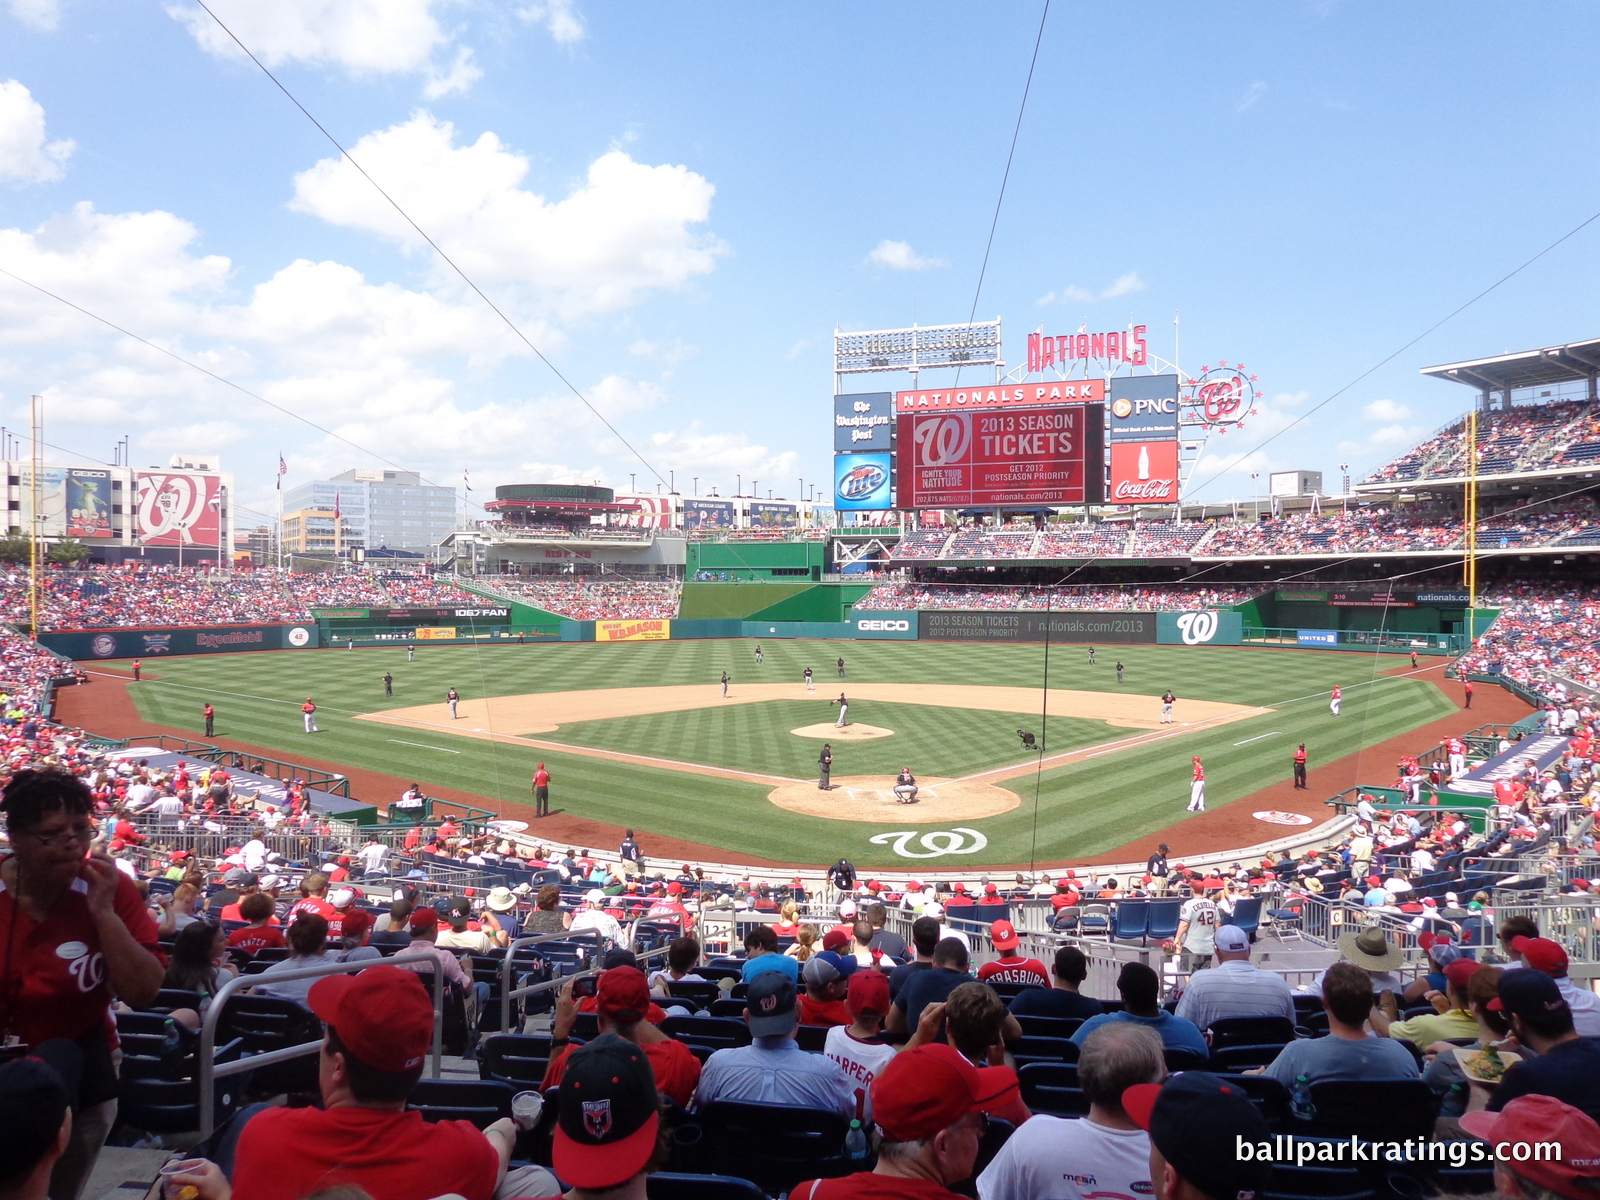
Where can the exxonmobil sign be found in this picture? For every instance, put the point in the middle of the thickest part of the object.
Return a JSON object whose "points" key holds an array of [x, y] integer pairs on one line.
{"points": [[1143, 473]]}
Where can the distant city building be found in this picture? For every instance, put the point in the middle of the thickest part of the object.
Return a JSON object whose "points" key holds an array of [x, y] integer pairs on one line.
{"points": [[377, 509]]}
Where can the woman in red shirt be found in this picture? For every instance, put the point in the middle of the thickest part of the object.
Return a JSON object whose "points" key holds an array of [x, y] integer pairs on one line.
{"points": [[74, 936]]}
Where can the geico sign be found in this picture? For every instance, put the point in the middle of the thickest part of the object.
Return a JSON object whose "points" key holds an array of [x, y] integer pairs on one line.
{"points": [[884, 626]]}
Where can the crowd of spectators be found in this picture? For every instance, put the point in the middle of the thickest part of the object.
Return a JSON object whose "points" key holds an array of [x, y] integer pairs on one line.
{"points": [[1083, 597], [588, 599], [1524, 438], [1544, 634], [1358, 532], [131, 598]]}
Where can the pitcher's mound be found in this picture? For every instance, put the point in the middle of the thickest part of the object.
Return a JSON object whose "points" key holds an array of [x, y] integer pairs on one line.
{"points": [[871, 798], [853, 732]]}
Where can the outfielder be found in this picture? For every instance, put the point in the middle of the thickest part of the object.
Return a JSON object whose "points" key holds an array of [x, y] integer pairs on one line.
{"points": [[1167, 701], [724, 685], [811, 684], [309, 711], [1091, 656], [758, 654], [1119, 670], [453, 699], [1335, 699], [844, 711], [1197, 789]]}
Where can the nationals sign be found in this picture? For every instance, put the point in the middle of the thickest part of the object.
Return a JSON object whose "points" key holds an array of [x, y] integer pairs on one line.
{"points": [[176, 510], [1010, 456], [1144, 473]]}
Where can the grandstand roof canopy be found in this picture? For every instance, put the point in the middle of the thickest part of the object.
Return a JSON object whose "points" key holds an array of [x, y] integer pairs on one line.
{"points": [[1570, 363]]}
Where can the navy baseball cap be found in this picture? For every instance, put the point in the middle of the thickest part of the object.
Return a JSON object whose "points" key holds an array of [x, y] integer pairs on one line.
{"points": [[770, 1004], [33, 1103], [1197, 1120], [1526, 992], [608, 1114]]}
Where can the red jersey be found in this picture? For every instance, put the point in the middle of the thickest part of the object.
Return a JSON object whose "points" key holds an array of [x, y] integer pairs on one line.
{"points": [[1014, 970], [677, 1069], [869, 1185], [1337, 694], [1199, 773], [56, 986], [287, 1153], [317, 906], [671, 908], [308, 707], [250, 938], [541, 778], [1060, 901], [823, 1012]]}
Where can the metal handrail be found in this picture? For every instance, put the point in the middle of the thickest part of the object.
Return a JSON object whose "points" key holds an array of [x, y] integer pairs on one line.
{"points": [[516, 944], [210, 1070]]}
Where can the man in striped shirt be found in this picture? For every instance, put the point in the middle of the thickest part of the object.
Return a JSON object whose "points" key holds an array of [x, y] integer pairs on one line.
{"points": [[1235, 987]]}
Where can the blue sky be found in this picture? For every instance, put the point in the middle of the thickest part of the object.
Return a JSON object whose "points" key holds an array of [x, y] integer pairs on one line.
{"points": [[678, 204]]}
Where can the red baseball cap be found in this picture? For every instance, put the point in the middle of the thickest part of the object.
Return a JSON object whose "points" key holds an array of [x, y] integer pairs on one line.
{"points": [[424, 918], [356, 923], [1460, 972], [396, 1043], [1429, 940], [991, 889], [1545, 1119], [869, 992], [930, 1088], [1004, 936], [623, 994], [835, 940], [1541, 954]]}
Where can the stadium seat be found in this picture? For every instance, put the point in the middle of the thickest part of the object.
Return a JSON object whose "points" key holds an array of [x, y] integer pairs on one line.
{"points": [[481, 1101], [717, 1032], [1247, 915], [811, 1038], [1094, 920], [1030, 1049], [1250, 1031], [773, 1145], [517, 1059], [989, 913], [1053, 1088], [1285, 1182], [1235, 1058], [1131, 921], [1163, 920], [1056, 1027], [666, 1185], [1185, 1060], [1269, 1096], [699, 992], [1374, 1110]]}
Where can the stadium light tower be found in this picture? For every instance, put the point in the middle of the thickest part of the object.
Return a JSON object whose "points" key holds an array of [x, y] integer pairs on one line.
{"points": [[1344, 485], [1255, 486]]}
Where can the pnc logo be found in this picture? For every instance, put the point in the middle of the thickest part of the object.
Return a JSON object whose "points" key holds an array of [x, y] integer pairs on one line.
{"points": [[1122, 407], [876, 626]]}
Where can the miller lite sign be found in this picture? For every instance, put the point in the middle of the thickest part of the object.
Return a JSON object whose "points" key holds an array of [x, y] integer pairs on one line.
{"points": [[1143, 473]]}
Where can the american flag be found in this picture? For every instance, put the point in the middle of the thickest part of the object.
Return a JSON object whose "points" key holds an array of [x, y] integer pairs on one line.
{"points": [[283, 469]]}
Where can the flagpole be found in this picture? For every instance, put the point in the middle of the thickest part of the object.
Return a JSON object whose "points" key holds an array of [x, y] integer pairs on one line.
{"points": [[282, 468]]}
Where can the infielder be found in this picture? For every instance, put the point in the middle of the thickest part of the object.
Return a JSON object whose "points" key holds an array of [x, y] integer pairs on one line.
{"points": [[724, 685], [1197, 789], [1119, 670], [758, 654], [841, 671], [309, 711], [388, 684], [1167, 701], [811, 684], [844, 711], [1335, 699], [453, 699]]}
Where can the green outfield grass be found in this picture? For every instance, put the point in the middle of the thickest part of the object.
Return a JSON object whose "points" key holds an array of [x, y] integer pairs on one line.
{"points": [[1083, 809]]}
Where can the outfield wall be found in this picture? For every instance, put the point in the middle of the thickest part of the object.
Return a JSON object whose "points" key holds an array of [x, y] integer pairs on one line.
{"points": [[152, 643]]}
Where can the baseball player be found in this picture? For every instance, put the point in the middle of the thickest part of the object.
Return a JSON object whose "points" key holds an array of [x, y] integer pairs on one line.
{"points": [[758, 654], [1300, 766], [1167, 701], [210, 715], [1335, 699], [844, 711], [541, 792], [841, 671], [1413, 660], [137, 667], [1197, 932], [824, 766], [811, 683], [1458, 756], [309, 711], [1119, 670], [1197, 789], [411, 652], [1091, 656], [388, 684], [453, 698], [724, 685]]}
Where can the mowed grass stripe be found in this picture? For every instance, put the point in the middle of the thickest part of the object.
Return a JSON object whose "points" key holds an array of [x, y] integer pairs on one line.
{"points": [[1085, 807]]}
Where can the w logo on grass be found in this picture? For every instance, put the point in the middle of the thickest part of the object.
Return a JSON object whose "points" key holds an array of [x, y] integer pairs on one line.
{"points": [[937, 843], [1197, 628]]}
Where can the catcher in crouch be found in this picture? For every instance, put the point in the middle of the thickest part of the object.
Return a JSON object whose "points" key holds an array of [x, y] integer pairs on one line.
{"points": [[905, 786]]}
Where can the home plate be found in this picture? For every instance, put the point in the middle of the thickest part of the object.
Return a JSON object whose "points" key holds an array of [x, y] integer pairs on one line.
{"points": [[871, 798], [853, 732]]}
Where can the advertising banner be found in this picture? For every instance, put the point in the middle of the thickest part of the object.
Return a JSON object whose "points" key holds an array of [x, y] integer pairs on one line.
{"points": [[632, 631], [1010, 395], [1110, 628], [435, 633], [708, 514], [1016, 456], [861, 482], [655, 512], [899, 625], [146, 643], [1370, 598], [178, 510], [1205, 627], [1144, 408], [52, 512], [768, 515], [88, 503], [1144, 473], [1542, 752], [1316, 637], [863, 422]]}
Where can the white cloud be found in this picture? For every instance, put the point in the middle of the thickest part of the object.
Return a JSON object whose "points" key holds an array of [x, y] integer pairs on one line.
{"points": [[1252, 95], [463, 73], [559, 17], [721, 456], [1124, 285], [361, 36], [1241, 464], [899, 256], [1387, 438], [626, 229], [43, 15], [803, 346], [1385, 410], [25, 156], [1290, 399], [668, 354]]}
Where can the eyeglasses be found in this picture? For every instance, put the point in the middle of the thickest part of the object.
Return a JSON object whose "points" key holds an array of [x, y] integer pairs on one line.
{"points": [[80, 837]]}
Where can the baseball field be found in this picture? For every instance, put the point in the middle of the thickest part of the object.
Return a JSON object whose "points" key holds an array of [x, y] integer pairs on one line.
{"points": [[639, 734]]}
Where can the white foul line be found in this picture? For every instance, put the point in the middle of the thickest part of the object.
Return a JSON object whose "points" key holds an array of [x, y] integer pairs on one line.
{"points": [[1258, 737], [421, 746]]}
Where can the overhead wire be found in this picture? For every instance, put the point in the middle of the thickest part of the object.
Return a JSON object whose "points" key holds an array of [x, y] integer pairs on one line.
{"points": [[515, 329]]}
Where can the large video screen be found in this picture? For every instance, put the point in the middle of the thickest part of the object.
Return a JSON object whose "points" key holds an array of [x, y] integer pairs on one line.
{"points": [[1010, 456]]}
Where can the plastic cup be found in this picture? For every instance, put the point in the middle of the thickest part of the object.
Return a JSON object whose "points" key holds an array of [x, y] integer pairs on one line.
{"points": [[183, 1166], [526, 1108]]}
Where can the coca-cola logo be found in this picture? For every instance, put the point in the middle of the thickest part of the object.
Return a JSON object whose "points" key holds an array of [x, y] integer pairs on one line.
{"points": [[1143, 489]]}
